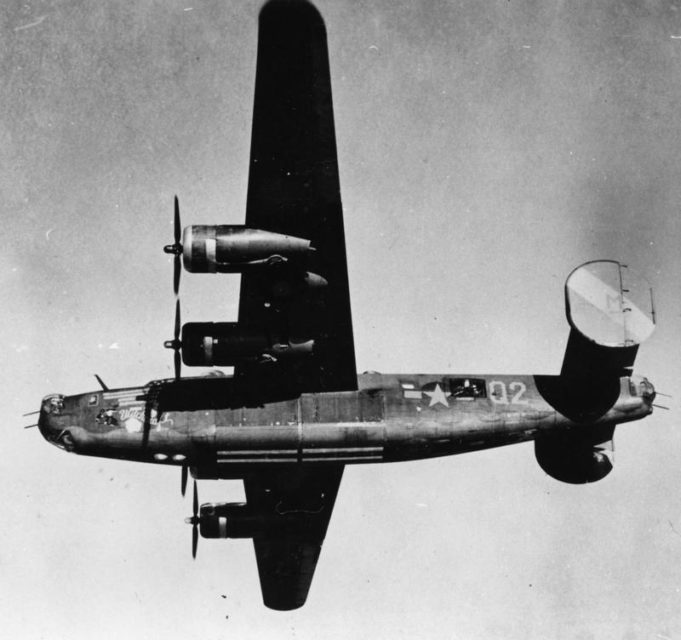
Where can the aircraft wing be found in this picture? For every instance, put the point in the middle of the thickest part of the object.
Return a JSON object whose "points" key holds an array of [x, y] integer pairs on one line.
{"points": [[287, 553], [293, 189]]}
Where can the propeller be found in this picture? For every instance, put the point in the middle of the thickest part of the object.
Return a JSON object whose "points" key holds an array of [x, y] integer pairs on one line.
{"points": [[175, 249], [176, 344], [183, 484], [194, 521]]}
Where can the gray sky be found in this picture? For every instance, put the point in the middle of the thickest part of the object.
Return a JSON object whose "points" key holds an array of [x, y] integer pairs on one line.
{"points": [[485, 149]]}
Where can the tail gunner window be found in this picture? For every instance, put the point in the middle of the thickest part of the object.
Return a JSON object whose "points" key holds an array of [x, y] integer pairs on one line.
{"points": [[467, 388]]}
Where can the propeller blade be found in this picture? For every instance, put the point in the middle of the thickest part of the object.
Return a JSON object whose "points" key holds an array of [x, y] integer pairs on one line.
{"points": [[177, 270], [178, 365], [176, 248], [177, 360], [178, 227], [195, 521], [195, 540], [183, 484], [177, 321], [176, 343], [176, 263]]}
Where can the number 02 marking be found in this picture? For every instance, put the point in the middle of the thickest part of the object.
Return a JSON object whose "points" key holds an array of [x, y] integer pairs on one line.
{"points": [[521, 388], [499, 392]]}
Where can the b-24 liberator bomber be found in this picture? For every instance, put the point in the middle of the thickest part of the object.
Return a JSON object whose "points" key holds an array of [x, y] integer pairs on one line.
{"points": [[295, 412]]}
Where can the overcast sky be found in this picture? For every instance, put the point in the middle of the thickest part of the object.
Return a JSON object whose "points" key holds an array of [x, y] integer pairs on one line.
{"points": [[485, 150]]}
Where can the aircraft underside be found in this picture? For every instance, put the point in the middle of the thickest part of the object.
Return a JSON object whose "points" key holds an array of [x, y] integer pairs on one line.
{"points": [[295, 412]]}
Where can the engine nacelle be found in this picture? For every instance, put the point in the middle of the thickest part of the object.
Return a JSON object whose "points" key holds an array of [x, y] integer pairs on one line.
{"points": [[207, 344], [227, 520], [233, 248], [576, 458], [237, 520]]}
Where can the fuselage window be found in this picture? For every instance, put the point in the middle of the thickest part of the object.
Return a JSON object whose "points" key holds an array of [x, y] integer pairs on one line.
{"points": [[93, 400], [467, 388]]}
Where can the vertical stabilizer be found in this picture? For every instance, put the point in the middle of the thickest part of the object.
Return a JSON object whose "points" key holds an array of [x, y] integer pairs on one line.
{"points": [[610, 312]]}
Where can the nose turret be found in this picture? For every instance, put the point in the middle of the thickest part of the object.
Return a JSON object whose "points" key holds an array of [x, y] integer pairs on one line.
{"points": [[647, 391], [50, 421]]}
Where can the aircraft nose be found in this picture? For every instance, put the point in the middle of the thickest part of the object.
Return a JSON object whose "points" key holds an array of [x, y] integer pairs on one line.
{"points": [[51, 409]]}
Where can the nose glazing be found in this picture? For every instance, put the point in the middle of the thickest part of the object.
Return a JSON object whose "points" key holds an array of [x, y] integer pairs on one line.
{"points": [[51, 408]]}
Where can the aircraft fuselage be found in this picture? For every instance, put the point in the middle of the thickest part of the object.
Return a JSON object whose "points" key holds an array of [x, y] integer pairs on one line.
{"points": [[389, 418]]}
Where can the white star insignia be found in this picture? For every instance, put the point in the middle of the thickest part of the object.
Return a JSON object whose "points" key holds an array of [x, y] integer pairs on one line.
{"points": [[438, 396], [133, 425]]}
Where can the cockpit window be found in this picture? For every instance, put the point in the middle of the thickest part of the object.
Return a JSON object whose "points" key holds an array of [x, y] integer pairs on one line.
{"points": [[467, 388]]}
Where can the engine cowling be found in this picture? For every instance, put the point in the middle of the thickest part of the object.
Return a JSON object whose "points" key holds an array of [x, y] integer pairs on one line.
{"points": [[207, 344], [227, 520], [233, 248], [576, 458], [237, 520]]}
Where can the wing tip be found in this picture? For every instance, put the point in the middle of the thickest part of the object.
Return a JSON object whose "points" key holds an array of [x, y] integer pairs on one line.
{"points": [[304, 6], [279, 605]]}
